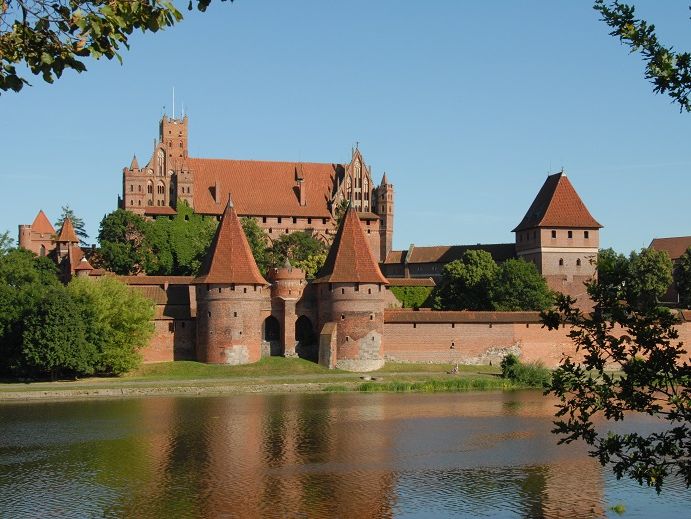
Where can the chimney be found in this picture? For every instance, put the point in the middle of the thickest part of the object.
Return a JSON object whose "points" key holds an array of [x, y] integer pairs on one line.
{"points": [[300, 178]]}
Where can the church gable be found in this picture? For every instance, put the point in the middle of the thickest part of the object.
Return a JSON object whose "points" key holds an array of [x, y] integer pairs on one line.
{"points": [[356, 185]]}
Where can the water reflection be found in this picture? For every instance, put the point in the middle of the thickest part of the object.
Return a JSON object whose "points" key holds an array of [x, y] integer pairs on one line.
{"points": [[317, 455]]}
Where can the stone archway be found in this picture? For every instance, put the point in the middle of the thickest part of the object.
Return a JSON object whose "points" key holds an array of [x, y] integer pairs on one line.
{"points": [[307, 346], [271, 334]]}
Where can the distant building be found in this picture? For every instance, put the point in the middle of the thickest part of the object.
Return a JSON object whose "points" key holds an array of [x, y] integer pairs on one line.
{"points": [[558, 234], [675, 248], [282, 197]]}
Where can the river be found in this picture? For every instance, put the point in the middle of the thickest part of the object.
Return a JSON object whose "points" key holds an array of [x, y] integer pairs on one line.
{"points": [[336, 455]]}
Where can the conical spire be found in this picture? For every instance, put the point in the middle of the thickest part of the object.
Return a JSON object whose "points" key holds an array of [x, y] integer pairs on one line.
{"points": [[134, 164], [42, 224], [350, 258], [230, 259], [67, 233], [384, 180], [557, 205]]}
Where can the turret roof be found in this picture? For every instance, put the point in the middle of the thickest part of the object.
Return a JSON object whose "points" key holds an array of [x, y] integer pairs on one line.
{"points": [[67, 233], [350, 258], [134, 164], [557, 205], [42, 224], [230, 259], [83, 265]]}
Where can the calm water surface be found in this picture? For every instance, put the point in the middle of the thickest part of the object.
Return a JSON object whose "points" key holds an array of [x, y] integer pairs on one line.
{"points": [[346, 455]]}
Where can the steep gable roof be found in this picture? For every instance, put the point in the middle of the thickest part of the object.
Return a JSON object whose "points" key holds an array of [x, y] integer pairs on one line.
{"points": [[67, 233], [350, 259], [42, 224], [230, 259], [214, 179], [675, 247], [557, 205]]}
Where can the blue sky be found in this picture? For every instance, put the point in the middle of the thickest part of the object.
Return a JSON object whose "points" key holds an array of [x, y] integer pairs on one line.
{"points": [[465, 105]]}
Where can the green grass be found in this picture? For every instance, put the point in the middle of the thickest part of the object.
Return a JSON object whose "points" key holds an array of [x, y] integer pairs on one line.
{"points": [[436, 385], [268, 366], [407, 367]]}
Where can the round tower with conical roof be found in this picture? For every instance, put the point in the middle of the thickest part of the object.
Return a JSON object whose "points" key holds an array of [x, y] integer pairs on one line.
{"points": [[232, 296], [351, 293]]}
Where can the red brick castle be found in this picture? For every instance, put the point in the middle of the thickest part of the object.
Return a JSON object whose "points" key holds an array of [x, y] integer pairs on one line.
{"points": [[282, 196]]}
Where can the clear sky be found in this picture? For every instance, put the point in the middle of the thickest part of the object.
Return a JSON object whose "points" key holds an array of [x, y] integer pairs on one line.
{"points": [[465, 105]]}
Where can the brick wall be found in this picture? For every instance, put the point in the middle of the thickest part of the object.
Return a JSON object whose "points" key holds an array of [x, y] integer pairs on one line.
{"points": [[172, 340]]}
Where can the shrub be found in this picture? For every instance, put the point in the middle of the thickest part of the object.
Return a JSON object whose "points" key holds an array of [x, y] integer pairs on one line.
{"points": [[531, 374]]}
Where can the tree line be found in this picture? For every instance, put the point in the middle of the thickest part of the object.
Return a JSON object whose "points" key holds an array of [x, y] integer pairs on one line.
{"points": [[48, 329], [129, 244]]}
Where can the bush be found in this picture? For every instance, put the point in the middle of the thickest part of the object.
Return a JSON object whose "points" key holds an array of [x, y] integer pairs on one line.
{"points": [[532, 374], [412, 297]]}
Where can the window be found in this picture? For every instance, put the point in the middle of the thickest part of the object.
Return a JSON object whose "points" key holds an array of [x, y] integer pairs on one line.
{"points": [[279, 219], [131, 188], [131, 202], [139, 189], [323, 221], [578, 262], [570, 234], [295, 220], [263, 219], [554, 234], [586, 234], [309, 221], [235, 314], [139, 202], [561, 262]]}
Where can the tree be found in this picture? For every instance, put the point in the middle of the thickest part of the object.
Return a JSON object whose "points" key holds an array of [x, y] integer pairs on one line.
{"points": [[118, 322], [682, 278], [6, 242], [518, 286], [49, 36], [466, 283], [302, 249], [669, 71], [256, 237], [54, 336], [124, 248], [641, 342], [650, 275], [77, 223]]}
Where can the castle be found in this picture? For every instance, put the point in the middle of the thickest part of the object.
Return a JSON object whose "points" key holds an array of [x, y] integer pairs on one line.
{"points": [[283, 197], [347, 317]]}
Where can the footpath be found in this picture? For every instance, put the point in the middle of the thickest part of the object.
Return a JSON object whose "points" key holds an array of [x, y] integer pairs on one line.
{"points": [[121, 387]]}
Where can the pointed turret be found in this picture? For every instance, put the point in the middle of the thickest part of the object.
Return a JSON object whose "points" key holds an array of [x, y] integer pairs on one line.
{"points": [[42, 224], [350, 258], [557, 205], [67, 234], [134, 165], [230, 259], [384, 180]]}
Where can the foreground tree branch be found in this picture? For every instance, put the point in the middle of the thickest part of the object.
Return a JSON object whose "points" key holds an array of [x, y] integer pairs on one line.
{"points": [[46, 37]]}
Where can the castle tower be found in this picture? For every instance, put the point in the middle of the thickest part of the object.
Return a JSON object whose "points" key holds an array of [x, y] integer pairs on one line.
{"points": [[350, 291], [287, 285], [134, 188], [560, 236], [384, 208], [231, 297], [39, 236]]}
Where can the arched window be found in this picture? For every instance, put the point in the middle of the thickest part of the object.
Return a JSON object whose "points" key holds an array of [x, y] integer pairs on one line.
{"points": [[161, 163], [578, 262], [561, 262], [43, 250], [150, 187]]}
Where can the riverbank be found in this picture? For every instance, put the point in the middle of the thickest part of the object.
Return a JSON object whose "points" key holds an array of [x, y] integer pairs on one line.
{"points": [[271, 375]]}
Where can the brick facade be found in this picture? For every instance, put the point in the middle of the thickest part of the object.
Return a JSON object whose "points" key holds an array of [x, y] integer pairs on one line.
{"points": [[283, 197]]}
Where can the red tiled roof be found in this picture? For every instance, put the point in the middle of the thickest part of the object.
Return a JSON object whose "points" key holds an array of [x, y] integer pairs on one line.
{"points": [[557, 205], [156, 280], [67, 233], [350, 259], [42, 224], [368, 215], [411, 282], [230, 259], [448, 253], [159, 211], [83, 265], [413, 316], [276, 181], [675, 247]]}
